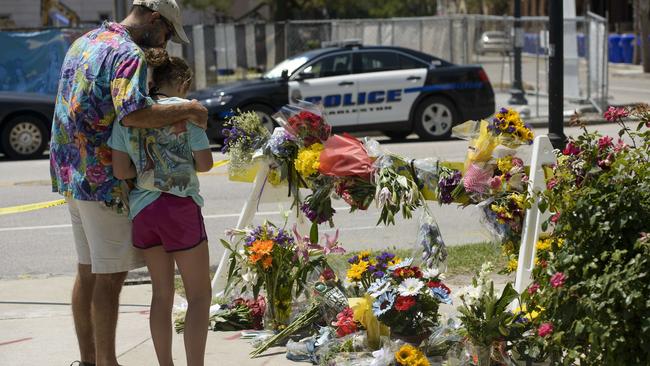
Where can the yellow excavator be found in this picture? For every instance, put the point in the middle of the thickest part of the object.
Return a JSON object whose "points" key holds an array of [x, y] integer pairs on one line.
{"points": [[53, 12]]}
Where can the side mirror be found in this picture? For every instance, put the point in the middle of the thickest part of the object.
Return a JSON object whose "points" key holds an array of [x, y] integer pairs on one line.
{"points": [[285, 74], [306, 75]]}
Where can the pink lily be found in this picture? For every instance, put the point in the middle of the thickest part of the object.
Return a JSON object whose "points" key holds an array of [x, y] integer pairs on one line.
{"points": [[332, 244], [303, 244]]}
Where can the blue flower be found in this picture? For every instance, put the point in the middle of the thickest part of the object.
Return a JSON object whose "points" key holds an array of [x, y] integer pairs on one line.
{"points": [[404, 263], [379, 287], [383, 304], [441, 294]]}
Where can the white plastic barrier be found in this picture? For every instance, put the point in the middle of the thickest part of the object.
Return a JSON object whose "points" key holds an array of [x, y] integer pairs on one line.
{"points": [[542, 155]]}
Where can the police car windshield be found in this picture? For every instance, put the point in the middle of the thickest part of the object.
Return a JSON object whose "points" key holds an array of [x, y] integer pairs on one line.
{"points": [[290, 64]]}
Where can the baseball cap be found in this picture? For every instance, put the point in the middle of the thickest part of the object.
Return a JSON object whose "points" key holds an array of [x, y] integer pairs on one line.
{"points": [[169, 10]]}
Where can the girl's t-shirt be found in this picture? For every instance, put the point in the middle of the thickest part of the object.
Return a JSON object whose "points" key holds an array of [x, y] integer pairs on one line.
{"points": [[162, 158]]}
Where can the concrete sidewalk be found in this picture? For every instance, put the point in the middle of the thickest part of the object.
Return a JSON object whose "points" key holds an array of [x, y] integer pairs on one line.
{"points": [[36, 328]]}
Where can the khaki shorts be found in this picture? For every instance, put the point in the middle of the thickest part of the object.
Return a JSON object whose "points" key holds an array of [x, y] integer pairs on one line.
{"points": [[103, 237]]}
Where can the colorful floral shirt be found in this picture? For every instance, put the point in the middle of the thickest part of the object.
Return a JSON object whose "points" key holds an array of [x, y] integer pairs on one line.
{"points": [[103, 78]]}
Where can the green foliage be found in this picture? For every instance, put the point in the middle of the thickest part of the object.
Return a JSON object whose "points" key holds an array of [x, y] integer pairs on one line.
{"points": [[601, 192]]}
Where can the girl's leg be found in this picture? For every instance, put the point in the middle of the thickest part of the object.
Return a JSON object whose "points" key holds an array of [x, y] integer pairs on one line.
{"points": [[161, 270], [194, 266]]}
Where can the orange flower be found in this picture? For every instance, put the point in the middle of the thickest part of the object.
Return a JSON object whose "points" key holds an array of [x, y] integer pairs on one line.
{"points": [[262, 247], [266, 263], [255, 257]]}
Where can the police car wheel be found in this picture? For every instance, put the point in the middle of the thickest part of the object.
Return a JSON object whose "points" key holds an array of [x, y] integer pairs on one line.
{"points": [[434, 118], [264, 113]]}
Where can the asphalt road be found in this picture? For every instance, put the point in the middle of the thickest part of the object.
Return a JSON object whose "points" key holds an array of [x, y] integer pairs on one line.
{"points": [[40, 242]]}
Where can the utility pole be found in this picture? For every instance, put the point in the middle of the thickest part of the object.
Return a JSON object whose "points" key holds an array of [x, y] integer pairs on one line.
{"points": [[517, 92], [119, 10], [556, 75]]}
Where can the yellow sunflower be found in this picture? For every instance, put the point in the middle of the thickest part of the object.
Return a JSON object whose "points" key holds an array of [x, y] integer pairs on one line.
{"points": [[406, 354], [357, 270]]}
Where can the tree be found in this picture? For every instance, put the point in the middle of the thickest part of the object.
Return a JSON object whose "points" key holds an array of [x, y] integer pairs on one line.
{"points": [[644, 16], [219, 8]]}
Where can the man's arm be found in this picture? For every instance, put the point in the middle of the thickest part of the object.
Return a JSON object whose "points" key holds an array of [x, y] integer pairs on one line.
{"points": [[160, 115], [123, 168]]}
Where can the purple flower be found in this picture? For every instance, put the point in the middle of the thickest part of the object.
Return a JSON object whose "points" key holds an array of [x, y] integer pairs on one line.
{"points": [[503, 110], [353, 260], [447, 184], [283, 239], [312, 215], [379, 274]]}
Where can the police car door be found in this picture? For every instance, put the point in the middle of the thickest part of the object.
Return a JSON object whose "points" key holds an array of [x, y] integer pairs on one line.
{"points": [[388, 83], [328, 81]]}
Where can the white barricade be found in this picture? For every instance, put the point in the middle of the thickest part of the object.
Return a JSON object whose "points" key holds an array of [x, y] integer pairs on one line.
{"points": [[542, 155]]}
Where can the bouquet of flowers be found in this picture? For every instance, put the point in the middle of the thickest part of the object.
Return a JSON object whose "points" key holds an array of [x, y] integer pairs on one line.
{"points": [[487, 323], [510, 129], [406, 299], [271, 258], [240, 314], [244, 135], [396, 189], [305, 122]]}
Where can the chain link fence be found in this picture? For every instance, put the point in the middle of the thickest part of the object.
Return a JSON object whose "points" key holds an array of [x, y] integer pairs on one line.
{"points": [[226, 52]]}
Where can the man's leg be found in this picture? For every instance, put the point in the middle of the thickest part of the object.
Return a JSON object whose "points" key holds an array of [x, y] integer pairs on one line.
{"points": [[82, 295], [82, 291], [105, 306], [112, 256]]}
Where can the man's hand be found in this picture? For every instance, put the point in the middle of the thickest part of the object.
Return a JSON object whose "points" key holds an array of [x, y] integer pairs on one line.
{"points": [[199, 114]]}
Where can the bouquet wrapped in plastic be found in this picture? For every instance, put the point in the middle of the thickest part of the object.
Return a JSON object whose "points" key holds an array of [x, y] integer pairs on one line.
{"points": [[304, 121], [345, 156]]}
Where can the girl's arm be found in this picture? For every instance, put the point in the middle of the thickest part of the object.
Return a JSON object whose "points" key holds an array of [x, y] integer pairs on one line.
{"points": [[123, 168], [202, 160]]}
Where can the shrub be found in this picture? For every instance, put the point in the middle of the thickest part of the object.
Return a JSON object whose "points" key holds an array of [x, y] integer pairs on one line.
{"points": [[595, 288]]}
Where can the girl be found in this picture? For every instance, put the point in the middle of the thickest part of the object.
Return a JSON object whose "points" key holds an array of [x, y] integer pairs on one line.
{"points": [[165, 207]]}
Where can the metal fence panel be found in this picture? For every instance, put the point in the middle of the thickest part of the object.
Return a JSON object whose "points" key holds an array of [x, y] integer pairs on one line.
{"points": [[223, 48]]}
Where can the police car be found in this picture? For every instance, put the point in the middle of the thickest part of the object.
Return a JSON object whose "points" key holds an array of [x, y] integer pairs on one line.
{"points": [[362, 88]]}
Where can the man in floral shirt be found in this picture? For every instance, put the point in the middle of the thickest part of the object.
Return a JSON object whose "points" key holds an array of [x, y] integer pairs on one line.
{"points": [[104, 81]]}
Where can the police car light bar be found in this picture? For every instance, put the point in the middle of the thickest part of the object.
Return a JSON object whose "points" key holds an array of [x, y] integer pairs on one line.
{"points": [[343, 43]]}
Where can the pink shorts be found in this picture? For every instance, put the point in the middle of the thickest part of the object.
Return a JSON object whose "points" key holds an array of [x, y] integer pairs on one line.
{"points": [[174, 222]]}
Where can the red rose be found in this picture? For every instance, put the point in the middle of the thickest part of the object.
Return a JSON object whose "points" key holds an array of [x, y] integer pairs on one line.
{"points": [[533, 288], [403, 303], [558, 279], [545, 329], [432, 284]]}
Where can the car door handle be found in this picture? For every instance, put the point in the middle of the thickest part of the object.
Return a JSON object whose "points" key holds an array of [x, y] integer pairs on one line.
{"points": [[411, 78], [346, 83]]}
